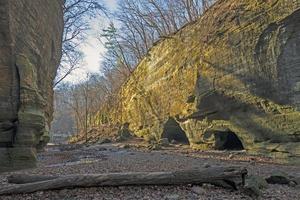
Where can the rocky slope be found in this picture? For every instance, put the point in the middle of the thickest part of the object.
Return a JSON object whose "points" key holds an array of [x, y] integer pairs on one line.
{"points": [[231, 80], [30, 50]]}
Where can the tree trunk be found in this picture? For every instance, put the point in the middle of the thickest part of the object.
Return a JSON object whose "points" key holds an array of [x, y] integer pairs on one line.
{"points": [[229, 177]]}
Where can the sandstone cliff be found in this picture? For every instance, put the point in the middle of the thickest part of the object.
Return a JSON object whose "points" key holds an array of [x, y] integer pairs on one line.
{"points": [[230, 80], [30, 51]]}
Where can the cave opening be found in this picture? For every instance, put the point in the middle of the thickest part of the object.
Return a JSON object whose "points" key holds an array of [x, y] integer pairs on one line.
{"points": [[174, 132], [227, 140]]}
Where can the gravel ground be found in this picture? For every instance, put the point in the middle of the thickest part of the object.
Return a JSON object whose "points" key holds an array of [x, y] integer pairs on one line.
{"points": [[65, 160]]}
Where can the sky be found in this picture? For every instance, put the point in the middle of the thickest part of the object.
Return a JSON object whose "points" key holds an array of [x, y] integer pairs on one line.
{"points": [[93, 50]]}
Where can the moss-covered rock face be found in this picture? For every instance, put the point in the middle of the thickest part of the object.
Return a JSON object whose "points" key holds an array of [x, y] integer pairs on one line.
{"points": [[237, 70], [30, 50]]}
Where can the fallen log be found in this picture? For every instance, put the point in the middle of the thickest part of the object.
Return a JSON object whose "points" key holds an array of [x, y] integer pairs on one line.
{"points": [[230, 177], [28, 178]]}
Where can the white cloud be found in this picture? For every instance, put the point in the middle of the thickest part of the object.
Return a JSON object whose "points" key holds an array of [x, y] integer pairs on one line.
{"points": [[111, 4], [93, 50]]}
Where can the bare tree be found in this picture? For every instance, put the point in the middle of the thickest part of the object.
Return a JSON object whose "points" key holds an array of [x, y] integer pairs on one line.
{"points": [[77, 15], [142, 23]]}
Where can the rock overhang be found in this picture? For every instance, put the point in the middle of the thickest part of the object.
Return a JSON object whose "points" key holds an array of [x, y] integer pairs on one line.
{"points": [[239, 73]]}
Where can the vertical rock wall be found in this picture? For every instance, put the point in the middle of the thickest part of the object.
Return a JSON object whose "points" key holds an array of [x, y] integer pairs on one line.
{"points": [[30, 51], [235, 70]]}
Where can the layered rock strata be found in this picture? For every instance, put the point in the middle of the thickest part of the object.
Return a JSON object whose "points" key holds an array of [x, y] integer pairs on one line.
{"points": [[30, 51], [232, 76]]}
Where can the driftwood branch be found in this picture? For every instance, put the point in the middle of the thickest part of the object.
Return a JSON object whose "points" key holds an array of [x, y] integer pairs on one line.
{"points": [[231, 177]]}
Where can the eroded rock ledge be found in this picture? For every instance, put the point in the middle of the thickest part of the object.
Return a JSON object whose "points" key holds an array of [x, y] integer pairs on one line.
{"points": [[234, 75], [30, 50]]}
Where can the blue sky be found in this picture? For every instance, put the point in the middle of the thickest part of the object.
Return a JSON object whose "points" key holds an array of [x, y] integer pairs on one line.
{"points": [[92, 49]]}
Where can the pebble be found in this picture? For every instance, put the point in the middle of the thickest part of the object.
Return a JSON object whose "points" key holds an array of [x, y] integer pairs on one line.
{"points": [[172, 197], [119, 160], [198, 190], [206, 165], [292, 184]]}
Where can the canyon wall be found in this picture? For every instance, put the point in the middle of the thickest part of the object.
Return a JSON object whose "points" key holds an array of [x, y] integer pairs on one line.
{"points": [[30, 51], [234, 74]]}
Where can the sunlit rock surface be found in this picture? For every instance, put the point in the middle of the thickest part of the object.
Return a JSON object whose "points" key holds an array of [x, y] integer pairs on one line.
{"points": [[30, 50], [236, 71]]}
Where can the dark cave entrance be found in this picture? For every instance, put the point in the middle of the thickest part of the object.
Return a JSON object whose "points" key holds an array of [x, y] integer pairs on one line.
{"points": [[227, 140], [174, 132]]}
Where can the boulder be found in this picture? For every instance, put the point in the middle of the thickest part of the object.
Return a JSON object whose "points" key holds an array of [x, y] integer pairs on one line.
{"points": [[164, 142], [104, 141], [30, 51], [278, 179], [254, 185], [239, 77], [123, 133]]}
